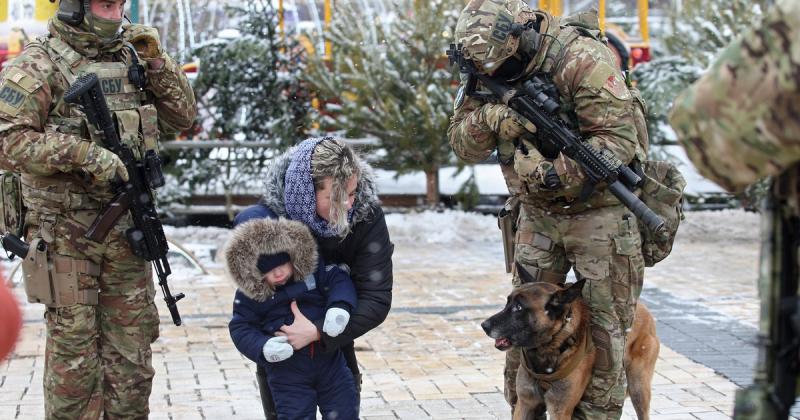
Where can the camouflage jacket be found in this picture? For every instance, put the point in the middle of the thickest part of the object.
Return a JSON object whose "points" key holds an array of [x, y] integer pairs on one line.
{"points": [[33, 140], [739, 122], [594, 98]]}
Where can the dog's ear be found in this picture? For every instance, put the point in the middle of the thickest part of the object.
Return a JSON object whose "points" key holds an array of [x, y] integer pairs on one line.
{"points": [[558, 302]]}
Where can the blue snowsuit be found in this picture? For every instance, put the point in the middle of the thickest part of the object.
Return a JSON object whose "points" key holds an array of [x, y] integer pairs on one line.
{"points": [[310, 377]]}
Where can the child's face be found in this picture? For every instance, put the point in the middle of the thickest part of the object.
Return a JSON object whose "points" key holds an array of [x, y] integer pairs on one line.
{"points": [[279, 275]]}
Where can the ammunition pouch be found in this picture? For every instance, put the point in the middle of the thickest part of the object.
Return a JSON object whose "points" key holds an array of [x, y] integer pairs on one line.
{"points": [[507, 222], [55, 281], [662, 192], [58, 194], [12, 211]]}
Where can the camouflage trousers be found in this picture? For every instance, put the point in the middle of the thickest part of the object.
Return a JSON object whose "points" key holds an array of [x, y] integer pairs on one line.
{"points": [[98, 360], [602, 246]]}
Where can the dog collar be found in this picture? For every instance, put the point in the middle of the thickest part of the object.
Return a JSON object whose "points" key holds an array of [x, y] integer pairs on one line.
{"points": [[586, 345]]}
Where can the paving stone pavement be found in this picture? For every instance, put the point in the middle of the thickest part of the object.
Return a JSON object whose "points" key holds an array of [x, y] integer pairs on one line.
{"points": [[429, 359]]}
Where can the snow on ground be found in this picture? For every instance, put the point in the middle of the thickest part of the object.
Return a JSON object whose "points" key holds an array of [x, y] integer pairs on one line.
{"points": [[458, 228]]}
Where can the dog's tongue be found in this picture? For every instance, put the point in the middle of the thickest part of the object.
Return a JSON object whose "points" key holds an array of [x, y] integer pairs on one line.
{"points": [[501, 342]]}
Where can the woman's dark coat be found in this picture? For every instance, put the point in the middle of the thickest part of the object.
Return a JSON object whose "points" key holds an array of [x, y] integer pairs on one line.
{"points": [[366, 250]]}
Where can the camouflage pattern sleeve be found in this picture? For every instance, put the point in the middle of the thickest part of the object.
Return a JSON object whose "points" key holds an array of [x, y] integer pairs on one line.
{"points": [[174, 97], [28, 144], [470, 137], [739, 122], [603, 104]]}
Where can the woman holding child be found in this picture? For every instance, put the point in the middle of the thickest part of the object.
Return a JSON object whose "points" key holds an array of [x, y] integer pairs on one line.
{"points": [[323, 184]]}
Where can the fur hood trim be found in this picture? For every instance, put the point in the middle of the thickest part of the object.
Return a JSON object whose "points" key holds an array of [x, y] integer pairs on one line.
{"points": [[268, 236], [366, 194]]}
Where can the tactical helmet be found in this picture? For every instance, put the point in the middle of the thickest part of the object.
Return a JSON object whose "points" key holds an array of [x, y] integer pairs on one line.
{"points": [[489, 31]]}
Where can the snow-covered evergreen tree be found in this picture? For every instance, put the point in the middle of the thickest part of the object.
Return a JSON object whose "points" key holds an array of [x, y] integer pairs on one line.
{"points": [[389, 78], [248, 88], [700, 29]]}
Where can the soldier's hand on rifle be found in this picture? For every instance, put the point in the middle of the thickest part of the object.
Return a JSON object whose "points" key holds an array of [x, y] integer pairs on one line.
{"points": [[534, 168], [505, 122], [102, 164]]}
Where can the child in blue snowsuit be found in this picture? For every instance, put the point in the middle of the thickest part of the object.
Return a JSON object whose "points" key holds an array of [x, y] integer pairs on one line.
{"points": [[274, 263]]}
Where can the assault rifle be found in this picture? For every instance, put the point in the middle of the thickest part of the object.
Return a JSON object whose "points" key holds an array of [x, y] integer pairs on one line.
{"points": [[146, 238], [533, 99], [774, 387]]}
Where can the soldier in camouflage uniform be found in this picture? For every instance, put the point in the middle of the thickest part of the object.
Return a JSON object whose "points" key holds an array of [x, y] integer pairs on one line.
{"points": [[557, 231], [739, 123], [98, 355]]}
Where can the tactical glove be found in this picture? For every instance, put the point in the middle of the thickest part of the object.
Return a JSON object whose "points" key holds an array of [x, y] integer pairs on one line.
{"points": [[100, 163], [505, 122], [534, 168], [335, 321], [145, 40], [277, 349]]}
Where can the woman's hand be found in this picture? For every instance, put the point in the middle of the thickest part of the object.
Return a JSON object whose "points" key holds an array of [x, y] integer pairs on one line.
{"points": [[302, 332]]}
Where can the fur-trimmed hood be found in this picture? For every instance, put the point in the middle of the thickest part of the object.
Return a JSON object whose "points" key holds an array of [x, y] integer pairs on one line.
{"points": [[366, 193], [266, 237]]}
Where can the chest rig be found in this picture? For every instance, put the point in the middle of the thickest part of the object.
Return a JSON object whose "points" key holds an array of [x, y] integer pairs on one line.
{"points": [[122, 82]]}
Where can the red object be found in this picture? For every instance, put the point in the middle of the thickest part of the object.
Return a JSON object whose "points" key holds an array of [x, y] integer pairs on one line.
{"points": [[10, 319], [640, 55]]}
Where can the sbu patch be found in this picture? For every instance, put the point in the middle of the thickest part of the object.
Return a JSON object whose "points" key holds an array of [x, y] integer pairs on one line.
{"points": [[12, 95], [16, 88]]}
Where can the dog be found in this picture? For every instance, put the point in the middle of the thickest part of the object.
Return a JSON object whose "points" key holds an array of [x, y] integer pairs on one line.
{"points": [[551, 325]]}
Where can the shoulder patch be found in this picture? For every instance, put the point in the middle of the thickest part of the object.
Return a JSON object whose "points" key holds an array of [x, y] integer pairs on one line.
{"points": [[15, 88], [603, 76], [12, 96], [21, 79]]}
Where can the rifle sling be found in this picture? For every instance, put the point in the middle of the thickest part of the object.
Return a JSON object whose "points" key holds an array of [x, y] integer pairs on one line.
{"points": [[108, 218]]}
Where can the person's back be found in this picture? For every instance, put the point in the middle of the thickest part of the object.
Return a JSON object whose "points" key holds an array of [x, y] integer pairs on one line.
{"points": [[738, 123], [275, 264]]}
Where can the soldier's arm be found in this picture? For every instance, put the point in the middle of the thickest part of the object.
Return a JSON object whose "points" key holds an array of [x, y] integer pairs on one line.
{"points": [[739, 122], [28, 145], [174, 97], [603, 105], [470, 137]]}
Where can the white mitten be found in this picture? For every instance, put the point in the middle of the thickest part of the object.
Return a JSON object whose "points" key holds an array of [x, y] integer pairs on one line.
{"points": [[335, 321], [277, 349]]}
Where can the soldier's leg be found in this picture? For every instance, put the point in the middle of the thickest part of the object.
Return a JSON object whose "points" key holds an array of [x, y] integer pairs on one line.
{"points": [[538, 256], [129, 324], [73, 369], [607, 252]]}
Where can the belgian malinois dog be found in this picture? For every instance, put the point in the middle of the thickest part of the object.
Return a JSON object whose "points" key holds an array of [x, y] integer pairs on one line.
{"points": [[551, 326]]}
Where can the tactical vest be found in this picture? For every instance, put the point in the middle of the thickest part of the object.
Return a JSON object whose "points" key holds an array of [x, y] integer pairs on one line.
{"points": [[136, 121], [565, 201]]}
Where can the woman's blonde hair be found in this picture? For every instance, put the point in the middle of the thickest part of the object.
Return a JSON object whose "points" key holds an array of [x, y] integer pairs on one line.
{"points": [[333, 158]]}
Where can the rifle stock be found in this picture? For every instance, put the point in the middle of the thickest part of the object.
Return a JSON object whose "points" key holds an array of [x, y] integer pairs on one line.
{"points": [[146, 238]]}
